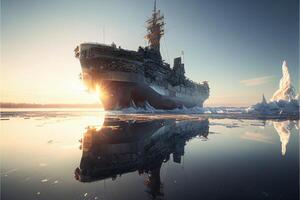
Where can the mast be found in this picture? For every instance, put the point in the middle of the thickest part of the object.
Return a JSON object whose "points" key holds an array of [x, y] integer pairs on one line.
{"points": [[155, 29]]}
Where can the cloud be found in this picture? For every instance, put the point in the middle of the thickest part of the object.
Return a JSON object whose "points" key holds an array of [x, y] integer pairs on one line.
{"points": [[256, 81]]}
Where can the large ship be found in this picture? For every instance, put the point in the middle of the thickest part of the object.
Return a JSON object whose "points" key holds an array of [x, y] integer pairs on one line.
{"points": [[139, 78]]}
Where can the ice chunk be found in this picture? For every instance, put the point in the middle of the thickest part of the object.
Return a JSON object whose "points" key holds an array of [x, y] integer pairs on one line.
{"points": [[286, 91], [284, 101]]}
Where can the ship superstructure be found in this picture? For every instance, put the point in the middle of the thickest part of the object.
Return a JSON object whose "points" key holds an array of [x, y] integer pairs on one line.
{"points": [[139, 78]]}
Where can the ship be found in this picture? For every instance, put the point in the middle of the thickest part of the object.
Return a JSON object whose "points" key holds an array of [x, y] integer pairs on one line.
{"points": [[124, 146], [139, 78]]}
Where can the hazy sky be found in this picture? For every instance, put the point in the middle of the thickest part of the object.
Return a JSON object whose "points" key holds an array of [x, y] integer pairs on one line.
{"points": [[236, 45]]}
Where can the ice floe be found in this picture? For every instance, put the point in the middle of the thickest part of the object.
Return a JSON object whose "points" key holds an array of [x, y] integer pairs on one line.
{"points": [[284, 101]]}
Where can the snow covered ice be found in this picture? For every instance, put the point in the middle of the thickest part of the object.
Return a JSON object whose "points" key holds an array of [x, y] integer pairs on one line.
{"points": [[286, 90], [284, 100]]}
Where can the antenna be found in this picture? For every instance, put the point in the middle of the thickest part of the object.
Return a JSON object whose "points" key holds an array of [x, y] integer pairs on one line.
{"points": [[155, 29]]}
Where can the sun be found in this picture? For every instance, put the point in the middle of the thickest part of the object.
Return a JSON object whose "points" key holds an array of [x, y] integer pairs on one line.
{"points": [[86, 94]]}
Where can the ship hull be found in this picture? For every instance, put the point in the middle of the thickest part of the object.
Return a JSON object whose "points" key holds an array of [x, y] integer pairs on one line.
{"points": [[122, 90], [120, 94]]}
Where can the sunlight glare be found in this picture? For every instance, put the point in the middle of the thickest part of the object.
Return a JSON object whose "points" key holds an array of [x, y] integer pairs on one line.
{"points": [[84, 93]]}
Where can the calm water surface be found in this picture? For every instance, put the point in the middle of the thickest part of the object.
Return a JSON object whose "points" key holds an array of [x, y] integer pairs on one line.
{"points": [[93, 155]]}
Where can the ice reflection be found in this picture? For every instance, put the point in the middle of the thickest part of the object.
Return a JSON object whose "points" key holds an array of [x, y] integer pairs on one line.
{"points": [[123, 146], [283, 129]]}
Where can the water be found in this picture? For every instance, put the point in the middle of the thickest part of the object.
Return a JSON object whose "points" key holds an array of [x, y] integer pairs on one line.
{"points": [[87, 154]]}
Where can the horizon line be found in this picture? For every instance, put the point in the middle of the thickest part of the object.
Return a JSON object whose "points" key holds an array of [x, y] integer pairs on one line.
{"points": [[49, 105], [74, 105]]}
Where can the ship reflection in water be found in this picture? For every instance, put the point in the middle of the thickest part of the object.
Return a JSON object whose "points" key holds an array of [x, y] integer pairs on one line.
{"points": [[146, 156], [120, 147]]}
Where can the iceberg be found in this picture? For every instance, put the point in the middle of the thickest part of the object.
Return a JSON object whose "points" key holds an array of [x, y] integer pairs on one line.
{"points": [[286, 91], [284, 101]]}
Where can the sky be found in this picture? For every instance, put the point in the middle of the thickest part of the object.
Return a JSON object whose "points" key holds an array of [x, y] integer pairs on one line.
{"points": [[236, 45]]}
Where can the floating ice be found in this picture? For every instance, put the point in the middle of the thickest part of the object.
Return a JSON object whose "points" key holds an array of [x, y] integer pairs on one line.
{"points": [[284, 101], [44, 180], [286, 91], [194, 110]]}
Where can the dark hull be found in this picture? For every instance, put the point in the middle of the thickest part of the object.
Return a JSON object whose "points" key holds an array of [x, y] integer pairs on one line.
{"points": [[129, 94]]}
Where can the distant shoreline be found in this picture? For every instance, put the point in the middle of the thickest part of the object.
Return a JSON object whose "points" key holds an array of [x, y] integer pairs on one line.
{"points": [[34, 105]]}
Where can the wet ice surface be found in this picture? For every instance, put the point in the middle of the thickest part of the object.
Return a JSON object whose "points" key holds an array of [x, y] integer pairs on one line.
{"points": [[86, 154]]}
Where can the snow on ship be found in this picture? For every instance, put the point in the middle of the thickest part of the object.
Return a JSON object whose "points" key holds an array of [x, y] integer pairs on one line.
{"points": [[139, 78]]}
